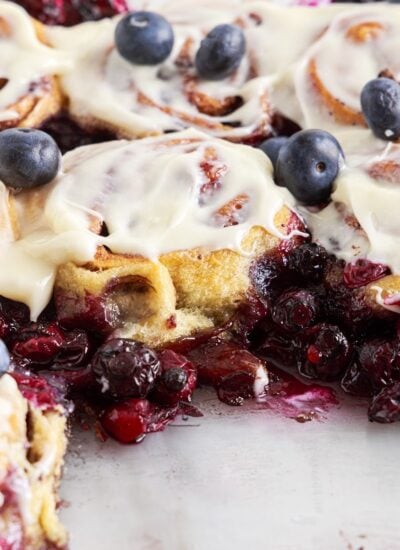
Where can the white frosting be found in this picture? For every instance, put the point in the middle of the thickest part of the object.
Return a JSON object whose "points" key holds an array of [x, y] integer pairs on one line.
{"points": [[150, 193], [24, 60], [311, 64], [141, 100]]}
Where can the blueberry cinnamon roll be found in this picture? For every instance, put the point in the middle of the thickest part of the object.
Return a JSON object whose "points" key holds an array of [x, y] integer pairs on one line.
{"points": [[143, 237], [121, 87], [29, 89]]}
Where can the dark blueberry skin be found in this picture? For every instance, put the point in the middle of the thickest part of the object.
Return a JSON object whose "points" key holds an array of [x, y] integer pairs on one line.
{"points": [[144, 38], [272, 146], [4, 358], [380, 103], [175, 379], [124, 368], [220, 52], [308, 165], [28, 158]]}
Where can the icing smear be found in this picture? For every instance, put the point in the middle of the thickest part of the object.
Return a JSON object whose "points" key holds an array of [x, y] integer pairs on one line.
{"points": [[24, 59], [362, 220], [154, 195]]}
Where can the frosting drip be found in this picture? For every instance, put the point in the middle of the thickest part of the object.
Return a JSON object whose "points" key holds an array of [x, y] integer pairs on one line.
{"points": [[154, 195], [24, 59], [314, 78]]}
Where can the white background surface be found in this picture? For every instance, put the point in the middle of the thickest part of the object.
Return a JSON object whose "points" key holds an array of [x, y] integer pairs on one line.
{"points": [[239, 479]]}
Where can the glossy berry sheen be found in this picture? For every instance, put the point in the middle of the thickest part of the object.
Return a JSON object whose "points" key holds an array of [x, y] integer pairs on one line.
{"points": [[28, 158], [327, 353], [269, 275], [71, 12], [308, 261], [233, 371], [380, 103], [377, 358], [385, 407], [295, 310], [272, 146], [362, 272], [220, 52], [124, 368], [308, 165], [4, 358], [38, 343], [277, 348], [127, 422], [356, 381], [130, 420], [144, 38], [175, 379], [177, 382]]}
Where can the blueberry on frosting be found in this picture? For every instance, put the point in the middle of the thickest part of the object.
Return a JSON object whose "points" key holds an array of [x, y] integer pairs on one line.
{"points": [[380, 103], [144, 38], [272, 146], [28, 158], [220, 52], [308, 165]]}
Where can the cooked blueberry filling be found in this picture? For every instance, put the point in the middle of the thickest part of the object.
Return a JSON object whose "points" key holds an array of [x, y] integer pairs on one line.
{"points": [[175, 379], [124, 368]]}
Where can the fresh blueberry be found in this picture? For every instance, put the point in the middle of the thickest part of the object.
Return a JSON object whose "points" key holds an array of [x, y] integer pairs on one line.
{"points": [[28, 158], [220, 52], [380, 103], [4, 358], [308, 164], [144, 38], [272, 146]]}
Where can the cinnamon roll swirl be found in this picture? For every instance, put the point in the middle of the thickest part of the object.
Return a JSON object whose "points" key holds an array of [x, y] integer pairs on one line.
{"points": [[29, 89], [134, 101]]}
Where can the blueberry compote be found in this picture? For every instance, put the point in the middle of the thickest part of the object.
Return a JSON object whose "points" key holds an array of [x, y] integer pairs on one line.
{"points": [[320, 322], [71, 12], [69, 135], [307, 312]]}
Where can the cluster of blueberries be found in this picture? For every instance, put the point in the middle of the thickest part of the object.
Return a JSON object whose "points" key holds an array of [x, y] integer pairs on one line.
{"points": [[147, 38], [307, 163]]}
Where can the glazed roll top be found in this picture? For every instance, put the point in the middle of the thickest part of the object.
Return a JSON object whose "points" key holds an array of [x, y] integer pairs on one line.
{"points": [[144, 198], [136, 100], [28, 90]]}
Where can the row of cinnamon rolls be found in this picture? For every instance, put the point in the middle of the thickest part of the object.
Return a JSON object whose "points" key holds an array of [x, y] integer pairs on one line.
{"points": [[305, 65]]}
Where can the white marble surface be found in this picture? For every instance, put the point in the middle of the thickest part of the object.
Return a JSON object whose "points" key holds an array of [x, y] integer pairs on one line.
{"points": [[239, 479]]}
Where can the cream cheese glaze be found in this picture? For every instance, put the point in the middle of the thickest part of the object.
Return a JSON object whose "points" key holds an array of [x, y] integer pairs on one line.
{"points": [[152, 195], [314, 77], [23, 58], [143, 100]]}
